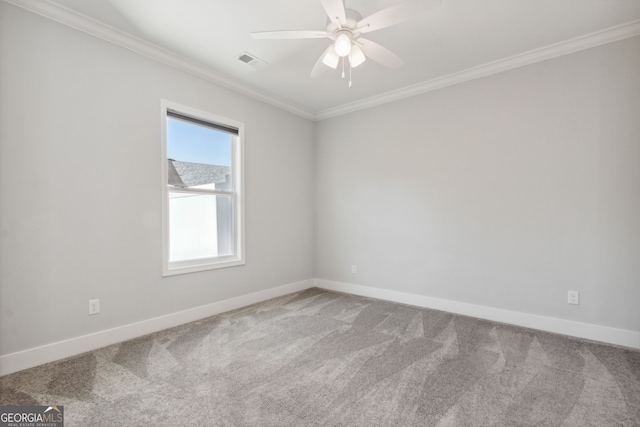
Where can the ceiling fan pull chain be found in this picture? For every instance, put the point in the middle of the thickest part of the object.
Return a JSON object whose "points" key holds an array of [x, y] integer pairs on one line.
{"points": [[350, 68]]}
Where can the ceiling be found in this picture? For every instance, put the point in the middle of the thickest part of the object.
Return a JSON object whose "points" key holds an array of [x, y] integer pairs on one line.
{"points": [[456, 36]]}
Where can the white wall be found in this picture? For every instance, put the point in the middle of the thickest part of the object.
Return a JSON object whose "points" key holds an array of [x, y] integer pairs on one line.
{"points": [[80, 191], [505, 191]]}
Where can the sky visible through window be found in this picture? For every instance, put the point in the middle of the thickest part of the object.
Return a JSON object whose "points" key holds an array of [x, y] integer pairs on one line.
{"points": [[188, 142]]}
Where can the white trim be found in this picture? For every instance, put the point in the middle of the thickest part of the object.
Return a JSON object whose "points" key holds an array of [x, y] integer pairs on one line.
{"points": [[98, 29], [73, 19], [59, 350], [609, 35], [196, 190], [588, 331], [237, 170]]}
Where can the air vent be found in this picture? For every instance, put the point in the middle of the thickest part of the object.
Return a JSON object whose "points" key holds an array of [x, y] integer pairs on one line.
{"points": [[246, 58], [249, 59]]}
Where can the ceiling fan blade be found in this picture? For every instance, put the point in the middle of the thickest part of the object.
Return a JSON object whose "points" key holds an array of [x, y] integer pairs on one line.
{"points": [[380, 54], [289, 34], [395, 14], [320, 68], [335, 11]]}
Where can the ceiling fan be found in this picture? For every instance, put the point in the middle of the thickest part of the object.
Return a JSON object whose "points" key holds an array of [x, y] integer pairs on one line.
{"points": [[346, 26]]}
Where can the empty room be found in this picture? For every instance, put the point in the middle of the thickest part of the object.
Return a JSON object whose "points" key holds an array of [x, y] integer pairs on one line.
{"points": [[320, 213]]}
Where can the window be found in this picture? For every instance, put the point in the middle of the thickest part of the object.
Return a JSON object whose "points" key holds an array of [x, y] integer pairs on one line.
{"points": [[202, 191]]}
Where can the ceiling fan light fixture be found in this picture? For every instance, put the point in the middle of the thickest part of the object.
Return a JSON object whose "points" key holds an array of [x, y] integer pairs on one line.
{"points": [[356, 57], [331, 58], [342, 45], [344, 27]]}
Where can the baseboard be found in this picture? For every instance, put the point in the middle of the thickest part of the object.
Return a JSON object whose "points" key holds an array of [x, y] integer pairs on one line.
{"points": [[59, 350], [588, 331]]}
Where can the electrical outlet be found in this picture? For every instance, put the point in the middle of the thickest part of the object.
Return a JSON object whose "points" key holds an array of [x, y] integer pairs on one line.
{"points": [[354, 269], [574, 297], [94, 306]]}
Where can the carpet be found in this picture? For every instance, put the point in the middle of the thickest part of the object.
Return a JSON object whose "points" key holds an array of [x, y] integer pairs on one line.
{"points": [[320, 358]]}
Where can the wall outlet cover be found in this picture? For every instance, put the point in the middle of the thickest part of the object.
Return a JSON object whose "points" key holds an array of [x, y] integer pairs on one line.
{"points": [[573, 297], [94, 306]]}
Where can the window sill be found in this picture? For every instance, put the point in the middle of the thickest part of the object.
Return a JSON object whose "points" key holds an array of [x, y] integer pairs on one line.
{"points": [[193, 266]]}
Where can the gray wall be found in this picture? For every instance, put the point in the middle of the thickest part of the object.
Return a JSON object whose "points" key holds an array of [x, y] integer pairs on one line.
{"points": [[505, 191], [80, 191]]}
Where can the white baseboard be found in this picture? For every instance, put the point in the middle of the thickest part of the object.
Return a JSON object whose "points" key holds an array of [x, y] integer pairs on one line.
{"points": [[588, 331], [59, 350]]}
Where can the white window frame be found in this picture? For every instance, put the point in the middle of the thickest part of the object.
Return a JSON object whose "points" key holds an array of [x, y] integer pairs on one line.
{"points": [[237, 195]]}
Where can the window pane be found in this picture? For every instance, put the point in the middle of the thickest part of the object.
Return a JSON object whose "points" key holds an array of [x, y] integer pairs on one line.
{"points": [[203, 200], [200, 226], [198, 156]]}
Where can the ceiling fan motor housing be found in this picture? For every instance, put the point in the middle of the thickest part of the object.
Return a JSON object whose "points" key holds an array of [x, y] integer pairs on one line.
{"points": [[353, 17]]}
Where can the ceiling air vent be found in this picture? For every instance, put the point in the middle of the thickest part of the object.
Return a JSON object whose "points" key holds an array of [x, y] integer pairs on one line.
{"points": [[249, 59]]}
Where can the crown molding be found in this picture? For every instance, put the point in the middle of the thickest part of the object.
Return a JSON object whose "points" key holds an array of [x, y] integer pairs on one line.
{"points": [[106, 32], [111, 34], [609, 35]]}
